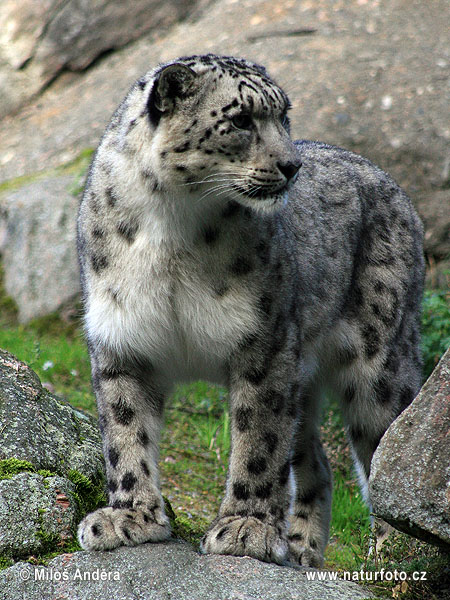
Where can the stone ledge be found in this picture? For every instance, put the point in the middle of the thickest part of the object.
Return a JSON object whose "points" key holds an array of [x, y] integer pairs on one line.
{"points": [[172, 570]]}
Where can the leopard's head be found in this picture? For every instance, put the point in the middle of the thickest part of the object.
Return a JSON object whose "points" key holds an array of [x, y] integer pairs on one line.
{"points": [[220, 130]]}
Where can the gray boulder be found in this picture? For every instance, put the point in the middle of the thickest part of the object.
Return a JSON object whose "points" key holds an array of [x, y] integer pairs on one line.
{"points": [[42, 429], [410, 474], [51, 463], [39, 39], [435, 214], [165, 571], [36, 513], [38, 222]]}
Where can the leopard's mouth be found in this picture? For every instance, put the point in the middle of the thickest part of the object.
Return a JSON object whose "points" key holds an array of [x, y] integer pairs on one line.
{"points": [[270, 195]]}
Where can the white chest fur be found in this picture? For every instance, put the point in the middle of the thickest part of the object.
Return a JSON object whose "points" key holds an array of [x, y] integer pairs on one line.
{"points": [[160, 302]]}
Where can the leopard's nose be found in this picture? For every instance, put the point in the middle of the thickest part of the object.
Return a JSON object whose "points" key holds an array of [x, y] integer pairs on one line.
{"points": [[289, 169]]}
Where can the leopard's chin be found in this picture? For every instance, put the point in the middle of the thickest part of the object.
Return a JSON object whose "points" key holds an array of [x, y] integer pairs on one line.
{"points": [[265, 203]]}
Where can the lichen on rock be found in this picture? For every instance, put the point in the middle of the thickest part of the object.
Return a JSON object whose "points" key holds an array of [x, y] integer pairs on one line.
{"points": [[51, 464], [410, 473], [37, 513]]}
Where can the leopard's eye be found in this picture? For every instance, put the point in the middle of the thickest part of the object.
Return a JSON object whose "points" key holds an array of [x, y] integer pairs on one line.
{"points": [[242, 121], [285, 121]]}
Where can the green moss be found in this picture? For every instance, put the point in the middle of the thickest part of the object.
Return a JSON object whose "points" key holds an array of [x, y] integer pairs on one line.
{"points": [[13, 466], [46, 473], [71, 545], [5, 562], [89, 495], [79, 164], [169, 512], [189, 529], [78, 167], [49, 541], [66, 547], [17, 182], [52, 545]]}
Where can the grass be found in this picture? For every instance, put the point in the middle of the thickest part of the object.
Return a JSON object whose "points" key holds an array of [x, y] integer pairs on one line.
{"points": [[195, 448], [435, 327]]}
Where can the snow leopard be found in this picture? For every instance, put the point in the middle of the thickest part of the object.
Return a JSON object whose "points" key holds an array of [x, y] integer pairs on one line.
{"points": [[214, 247]]}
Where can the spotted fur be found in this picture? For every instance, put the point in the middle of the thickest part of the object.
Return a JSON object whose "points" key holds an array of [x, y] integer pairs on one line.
{"points": [[213, 246]]}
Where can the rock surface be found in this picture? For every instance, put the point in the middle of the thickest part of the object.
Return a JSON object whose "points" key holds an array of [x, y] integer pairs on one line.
{"points": [[43, 429], [39, 248], [410, 476], [172, 570], [435, 214], [51, 436], [33, 510], [39, 39]]}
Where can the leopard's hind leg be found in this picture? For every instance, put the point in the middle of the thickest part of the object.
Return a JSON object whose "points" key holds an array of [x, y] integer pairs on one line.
{"points": [[374, 388], [311, 509]]}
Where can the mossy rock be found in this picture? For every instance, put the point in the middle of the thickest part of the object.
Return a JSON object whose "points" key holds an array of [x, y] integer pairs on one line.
{"points": [[51, 465], [48, 514], [43, 430]]}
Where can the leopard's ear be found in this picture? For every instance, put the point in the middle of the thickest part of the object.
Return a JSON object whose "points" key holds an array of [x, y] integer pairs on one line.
{"points": [[172, 83]]}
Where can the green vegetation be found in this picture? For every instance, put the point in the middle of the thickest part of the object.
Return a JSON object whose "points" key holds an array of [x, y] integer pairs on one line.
{"points": [[195, 448], [5, 562], [49, 541], [52, 545], [88, 494], [12, 466], [53, 347], [435, 327]]}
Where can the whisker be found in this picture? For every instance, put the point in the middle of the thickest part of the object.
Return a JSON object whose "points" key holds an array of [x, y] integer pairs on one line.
{"points": [[219, 176], [219, 189]]}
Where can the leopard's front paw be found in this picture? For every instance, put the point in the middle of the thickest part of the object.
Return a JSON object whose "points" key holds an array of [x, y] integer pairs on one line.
{"points": [[304, 553], [107, 528], [246, 536]]}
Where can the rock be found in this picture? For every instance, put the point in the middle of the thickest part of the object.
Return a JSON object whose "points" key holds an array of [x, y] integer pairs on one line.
{"points": [[42, 429], [49, 512], [164, 571], [39, 247], [51, 463], [410, 475], [434, 210], [435, 213], [39, 39]]}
